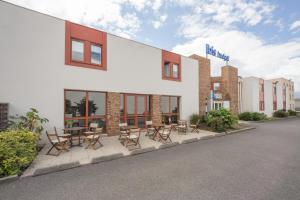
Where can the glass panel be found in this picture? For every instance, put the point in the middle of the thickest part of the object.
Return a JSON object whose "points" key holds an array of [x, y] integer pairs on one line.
{"points": [[122, 104], [75, 104], [167, 69], [174, 104], [130, 104], [164, 104], [175, 71], [77, 50], [96, 54], [100, 121], [122, 120], [141, 104], [141, 122], [75, 123], [216, 86], [174, 119], [130, 121], [165, 119], [97, 103]]}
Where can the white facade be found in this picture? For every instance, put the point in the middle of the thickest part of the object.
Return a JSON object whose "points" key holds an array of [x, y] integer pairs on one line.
{"points": [[33, 73], [250, 95]]}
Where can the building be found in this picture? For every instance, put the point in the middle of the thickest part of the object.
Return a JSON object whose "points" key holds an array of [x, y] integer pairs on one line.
{"points": [[74, 75], [297, 104], [266, 96]]}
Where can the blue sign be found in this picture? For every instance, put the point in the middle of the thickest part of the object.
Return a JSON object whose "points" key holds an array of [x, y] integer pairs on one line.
{"points": [[211, 51]]}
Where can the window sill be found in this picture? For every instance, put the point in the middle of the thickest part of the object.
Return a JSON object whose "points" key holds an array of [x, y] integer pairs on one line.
{"points": [[172, 79], [86, 65]]}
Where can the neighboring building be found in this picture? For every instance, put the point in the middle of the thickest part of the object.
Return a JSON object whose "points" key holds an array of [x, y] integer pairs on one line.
{"points": [[266, 96], [75, 75], [297, 104]]}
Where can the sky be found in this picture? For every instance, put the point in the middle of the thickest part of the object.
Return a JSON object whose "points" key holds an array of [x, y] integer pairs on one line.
{"points": [[262, 38]]}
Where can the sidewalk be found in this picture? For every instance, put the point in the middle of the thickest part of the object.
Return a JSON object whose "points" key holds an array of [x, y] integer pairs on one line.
{"points": [[112, 149]]}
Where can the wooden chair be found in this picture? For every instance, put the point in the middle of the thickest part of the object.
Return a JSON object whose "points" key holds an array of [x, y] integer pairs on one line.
{"points": [[133, 139], [123, 132], [165, 134], [182, 126], [93, 136], [150, 129], [195, 127], [60, 143]]}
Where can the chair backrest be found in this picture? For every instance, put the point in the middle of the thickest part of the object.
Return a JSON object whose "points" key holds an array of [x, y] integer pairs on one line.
{"points": [[123, 124], [149, 123], [93, 125], [52, 136], [182, 122]]}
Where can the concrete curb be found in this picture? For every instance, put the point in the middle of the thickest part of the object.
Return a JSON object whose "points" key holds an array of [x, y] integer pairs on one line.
{"points": [[240, 130], [168, 145], [56, 168], [9, 179], [220, 134], [207, 137], [189, 140], [140, 151], [107, 158]]}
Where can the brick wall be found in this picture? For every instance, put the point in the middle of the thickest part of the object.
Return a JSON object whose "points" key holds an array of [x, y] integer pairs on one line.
{"points": [[229, 87], [155, 109], [204, 81], [113, 113]]}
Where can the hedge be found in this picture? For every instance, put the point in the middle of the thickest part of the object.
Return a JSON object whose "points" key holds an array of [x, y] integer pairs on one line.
{"points": [[252, 116], [17, 151]]}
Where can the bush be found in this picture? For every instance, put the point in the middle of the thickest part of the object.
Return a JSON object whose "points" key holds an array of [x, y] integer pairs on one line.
{"points": [[256, 116], [280, 114], [194, 118], [252, 116], [292, 113], [220, 120], [17, 151], [246, 116]]}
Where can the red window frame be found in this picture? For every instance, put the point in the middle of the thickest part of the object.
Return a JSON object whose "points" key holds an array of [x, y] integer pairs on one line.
{"points": [[88, 36], [146, 115], [86, 117], [172, 58], [170, 113]]}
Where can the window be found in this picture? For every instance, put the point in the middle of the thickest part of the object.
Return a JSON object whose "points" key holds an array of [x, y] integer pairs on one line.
{"points": [[216, 86], [171, 69], [84, 107], [170, 109], [96, 54], [77, 50], [135, 109], [85, 47], [217, 105], [261, 95]]}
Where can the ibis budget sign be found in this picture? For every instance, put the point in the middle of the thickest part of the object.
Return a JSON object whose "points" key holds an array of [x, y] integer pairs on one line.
{"points": [[212, 51]]}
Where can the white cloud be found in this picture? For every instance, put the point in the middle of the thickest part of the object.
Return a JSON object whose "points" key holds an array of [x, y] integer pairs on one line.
{"points": [[295, 25], [158, 23]]}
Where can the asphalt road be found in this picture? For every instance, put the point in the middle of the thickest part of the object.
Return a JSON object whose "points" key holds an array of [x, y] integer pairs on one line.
{"points": [[259, 164]]}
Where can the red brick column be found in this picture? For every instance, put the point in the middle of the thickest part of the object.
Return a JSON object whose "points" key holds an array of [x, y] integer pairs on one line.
{"points": [[230, 87], [155, 109], [113, 113]]}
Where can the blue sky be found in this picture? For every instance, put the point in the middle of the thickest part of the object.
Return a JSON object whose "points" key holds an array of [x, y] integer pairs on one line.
{"points": [[262, 38]]}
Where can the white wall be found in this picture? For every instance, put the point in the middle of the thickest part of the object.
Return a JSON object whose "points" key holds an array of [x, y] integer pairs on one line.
{"points": [[268, 91], [33, 73], [250, 94]]}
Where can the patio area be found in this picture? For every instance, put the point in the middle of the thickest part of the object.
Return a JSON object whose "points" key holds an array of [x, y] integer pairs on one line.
{"points": [[111, 149]]}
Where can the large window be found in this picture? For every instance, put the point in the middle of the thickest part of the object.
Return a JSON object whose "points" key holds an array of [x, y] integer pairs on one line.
{"points": [[85, 47], [170, 109], [84, 107], [135, 109], [171, 65]]}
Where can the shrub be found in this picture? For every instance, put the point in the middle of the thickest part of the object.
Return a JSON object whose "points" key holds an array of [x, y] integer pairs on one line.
{"points": [[17, 151], [194, 118], [220, 120], [252, 116], [256, 116], [280, 114], [292, 113], [246, 116]]}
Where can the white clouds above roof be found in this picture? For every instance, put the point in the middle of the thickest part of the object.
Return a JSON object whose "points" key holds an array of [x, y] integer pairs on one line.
{"points": [[295, 25]]}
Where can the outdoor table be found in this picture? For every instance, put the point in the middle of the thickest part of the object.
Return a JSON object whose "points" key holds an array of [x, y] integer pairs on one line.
{"points": [[157, 128], [75, 131]]}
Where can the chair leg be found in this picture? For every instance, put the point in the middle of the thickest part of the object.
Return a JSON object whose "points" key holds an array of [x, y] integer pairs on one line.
{"points": [[58, 151]]}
